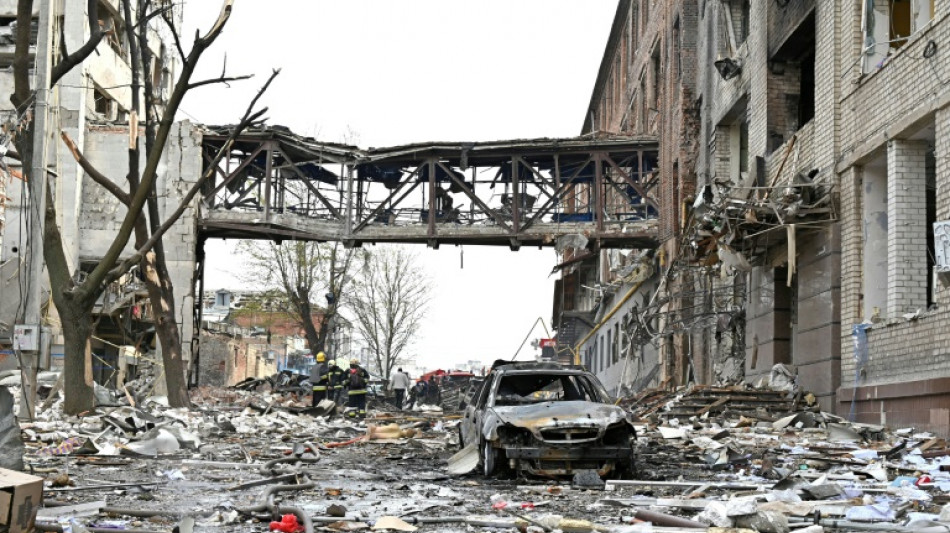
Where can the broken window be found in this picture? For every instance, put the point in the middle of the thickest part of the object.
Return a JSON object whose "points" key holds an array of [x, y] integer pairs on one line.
{"points": [[898, 197], [655, 77], [735, 23], [110, 22], [930, 199], [536, 388], [740, 152], [615, 345], [791, 81], [158, 70], [677, 47], [888, 24], [745, 16], [598, 365], [633, 33], [610, 347], [643, 106], [732, 148], [104, 105], [620, 78]]}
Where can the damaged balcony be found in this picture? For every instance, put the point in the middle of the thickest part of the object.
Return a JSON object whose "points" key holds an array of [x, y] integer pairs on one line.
{"points": [[739, 224]]}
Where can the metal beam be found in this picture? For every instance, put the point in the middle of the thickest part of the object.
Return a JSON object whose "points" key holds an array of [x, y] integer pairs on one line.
{"points": [[247, 161], [382, 204], [598, 192], [515, 196], [560, 190], [636, 186], [538, 176], [476, 200], [432, 212], [268, 169], [313, 189]]}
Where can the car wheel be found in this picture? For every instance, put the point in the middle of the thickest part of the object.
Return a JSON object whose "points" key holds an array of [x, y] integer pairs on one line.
{"points": [[489, 458]]}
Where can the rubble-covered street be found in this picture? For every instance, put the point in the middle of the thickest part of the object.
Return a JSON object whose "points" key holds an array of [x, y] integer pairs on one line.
{"points": [[708, 458], [685, 269]]}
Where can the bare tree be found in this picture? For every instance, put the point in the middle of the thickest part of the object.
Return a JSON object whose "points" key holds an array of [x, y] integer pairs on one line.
{"points": [[305, 273], [390, 300], [74, 297]]}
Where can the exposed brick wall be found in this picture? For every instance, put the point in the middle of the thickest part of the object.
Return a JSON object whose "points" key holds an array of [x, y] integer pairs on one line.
{"points": [[877, 104], [906, 216], [904, 350], [783, 22], [851, 264], [889, 111]]}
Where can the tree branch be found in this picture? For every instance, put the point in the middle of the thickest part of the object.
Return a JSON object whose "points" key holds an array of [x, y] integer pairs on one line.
{"points": [[95, 37], [158, 12], [94, 173], [175, 36], [249, 118], [223, 79], [97, 278]]}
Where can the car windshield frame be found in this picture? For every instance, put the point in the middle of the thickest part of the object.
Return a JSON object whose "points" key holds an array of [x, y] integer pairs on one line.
{"points": [[596, 388]]}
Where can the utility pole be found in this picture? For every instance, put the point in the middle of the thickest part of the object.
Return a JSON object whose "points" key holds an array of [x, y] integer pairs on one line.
{"points": [[29, 339]]}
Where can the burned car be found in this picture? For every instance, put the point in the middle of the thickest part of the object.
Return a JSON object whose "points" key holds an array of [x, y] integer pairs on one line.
{"points": [[546, 419]]}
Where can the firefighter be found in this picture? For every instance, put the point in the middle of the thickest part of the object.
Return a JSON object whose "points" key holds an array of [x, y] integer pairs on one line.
{"points": [[356, 380], [336, 381], [320, 378]]}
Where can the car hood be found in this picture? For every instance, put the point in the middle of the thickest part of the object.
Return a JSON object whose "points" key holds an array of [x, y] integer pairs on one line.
{"points": [[543, 415]]}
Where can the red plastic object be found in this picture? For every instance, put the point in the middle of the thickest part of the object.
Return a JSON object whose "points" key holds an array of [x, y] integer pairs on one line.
{"points": [[287, 524], [924, 479]]}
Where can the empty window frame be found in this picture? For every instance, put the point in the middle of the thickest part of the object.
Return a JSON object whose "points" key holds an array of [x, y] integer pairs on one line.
{"points": [[791, 81], [886, 25]]}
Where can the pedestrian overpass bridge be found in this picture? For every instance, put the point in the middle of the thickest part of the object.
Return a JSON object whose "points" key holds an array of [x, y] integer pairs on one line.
{"points": [[276, 185]]}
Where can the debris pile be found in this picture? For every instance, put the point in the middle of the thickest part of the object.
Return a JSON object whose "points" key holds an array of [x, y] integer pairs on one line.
{"points": [[707, 401], [249, 461], [731, 222], [771, 461]]}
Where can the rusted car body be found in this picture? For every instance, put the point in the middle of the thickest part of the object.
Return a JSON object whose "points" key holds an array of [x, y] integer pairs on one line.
{"points": [[547, 419]]}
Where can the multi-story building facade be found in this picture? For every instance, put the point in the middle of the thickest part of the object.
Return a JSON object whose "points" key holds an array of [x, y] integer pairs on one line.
{"points": [[803, 158], [92, 104]]}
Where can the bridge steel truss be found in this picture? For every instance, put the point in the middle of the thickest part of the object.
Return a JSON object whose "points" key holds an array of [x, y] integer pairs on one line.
{"points": [[276, 185]]}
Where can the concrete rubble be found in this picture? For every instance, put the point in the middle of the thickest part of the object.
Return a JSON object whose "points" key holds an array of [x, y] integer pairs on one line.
{"points": [[709, 458]]}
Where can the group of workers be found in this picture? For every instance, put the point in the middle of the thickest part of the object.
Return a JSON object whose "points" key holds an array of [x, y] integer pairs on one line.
{"points": [[330, 382]]}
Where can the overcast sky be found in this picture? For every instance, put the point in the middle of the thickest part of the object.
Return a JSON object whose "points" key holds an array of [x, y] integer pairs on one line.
{"points": [[388, 72]]}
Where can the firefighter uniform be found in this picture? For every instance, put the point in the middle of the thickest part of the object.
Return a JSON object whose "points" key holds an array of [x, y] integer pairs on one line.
{"points": [[357, 379], [320, 378], [336, 382]]}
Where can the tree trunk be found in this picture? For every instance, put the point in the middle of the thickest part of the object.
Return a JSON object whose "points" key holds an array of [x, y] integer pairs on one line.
{"points": [[75, 315], [162, 295], [306, 319], [77, 359]]}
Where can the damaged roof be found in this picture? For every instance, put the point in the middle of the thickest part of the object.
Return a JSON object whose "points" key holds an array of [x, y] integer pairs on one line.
{"points": [[464, 154]]}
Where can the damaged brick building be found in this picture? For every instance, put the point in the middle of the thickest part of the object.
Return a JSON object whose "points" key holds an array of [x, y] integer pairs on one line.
{"points": [[803, 160]]}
